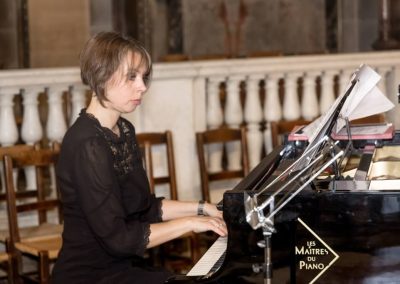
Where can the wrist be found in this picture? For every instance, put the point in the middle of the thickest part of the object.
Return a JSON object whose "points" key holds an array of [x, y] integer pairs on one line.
{"points": [[201, 208]]}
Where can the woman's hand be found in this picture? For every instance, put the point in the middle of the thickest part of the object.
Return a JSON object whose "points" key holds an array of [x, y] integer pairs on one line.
{"points": [[211, 210], [165, 231], [207, 223]]}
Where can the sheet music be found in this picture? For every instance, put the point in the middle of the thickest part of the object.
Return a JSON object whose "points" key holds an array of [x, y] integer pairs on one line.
{"points": [[364, 100], [210, 258]]}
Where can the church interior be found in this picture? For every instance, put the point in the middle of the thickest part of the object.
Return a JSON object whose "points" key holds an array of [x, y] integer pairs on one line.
{"points": [[264, 70]]}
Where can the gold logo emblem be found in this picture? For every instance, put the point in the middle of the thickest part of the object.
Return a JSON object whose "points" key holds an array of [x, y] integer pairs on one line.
{"points": [[313, 256]]}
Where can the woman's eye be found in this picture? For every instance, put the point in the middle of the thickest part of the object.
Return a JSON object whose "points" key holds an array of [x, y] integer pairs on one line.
{"points": [[146, 79], [132, 77]]}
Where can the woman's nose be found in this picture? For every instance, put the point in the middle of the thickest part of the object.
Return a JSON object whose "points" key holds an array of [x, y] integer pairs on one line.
{"points": [[141, 85]]}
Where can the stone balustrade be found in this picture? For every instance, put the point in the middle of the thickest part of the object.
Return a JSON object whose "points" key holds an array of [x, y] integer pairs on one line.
{"points": [[186, 97]]}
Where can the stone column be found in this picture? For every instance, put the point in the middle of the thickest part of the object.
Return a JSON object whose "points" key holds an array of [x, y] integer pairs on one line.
{"points": [[253, 116], [385, 40], [327, 91], [175, 32], [31, 130], [56, 125], [214, 120], [78, 100], [291, 104], [8, 125], [309, 106], [272, 107], [233, 118]]}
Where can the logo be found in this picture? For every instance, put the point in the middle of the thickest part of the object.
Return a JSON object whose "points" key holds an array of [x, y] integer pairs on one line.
{"points": [[313, 256]]}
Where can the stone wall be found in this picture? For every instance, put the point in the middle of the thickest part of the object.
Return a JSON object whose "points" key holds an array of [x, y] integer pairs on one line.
{"points": [[57, 31], [8, 34], [240, 28]]}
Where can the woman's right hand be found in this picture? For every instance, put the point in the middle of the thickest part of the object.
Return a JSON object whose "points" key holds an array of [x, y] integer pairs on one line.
{"points": [[207, 223], [165, 231]]}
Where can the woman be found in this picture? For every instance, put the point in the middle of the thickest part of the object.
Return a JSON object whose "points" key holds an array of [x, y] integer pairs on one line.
{"points": [[110, 217]]}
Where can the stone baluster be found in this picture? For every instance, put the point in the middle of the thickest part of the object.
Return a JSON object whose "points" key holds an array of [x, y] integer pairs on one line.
{"points": [[392, 94], [253, 117], [31, 129], [383, 72], [8, 125], [233, 108], [214, 120], [78, 94], [56, 124], [214, 108], [309, 105], [272, 107], [291, 104], [344, 80], [233, 118], [327, 91]]}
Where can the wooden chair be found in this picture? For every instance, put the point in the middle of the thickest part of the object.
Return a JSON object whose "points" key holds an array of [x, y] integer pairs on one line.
{"points": [[22, 194], [221, 135], [7, 265], [283, 127], [164, 142], [17, 150], [43, 247], [147, 141]]}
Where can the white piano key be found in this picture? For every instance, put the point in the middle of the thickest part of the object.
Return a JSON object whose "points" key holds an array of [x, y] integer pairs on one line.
{"points": [[207, 261]]}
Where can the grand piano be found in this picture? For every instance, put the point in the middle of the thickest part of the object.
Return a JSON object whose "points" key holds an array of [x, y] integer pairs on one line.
{"points": [[343, 226]]}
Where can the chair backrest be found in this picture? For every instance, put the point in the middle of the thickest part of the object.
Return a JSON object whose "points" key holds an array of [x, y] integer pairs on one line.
{"points": [[42, 160], [148, 142], [17, 151], [283, 127], [221, 135]]}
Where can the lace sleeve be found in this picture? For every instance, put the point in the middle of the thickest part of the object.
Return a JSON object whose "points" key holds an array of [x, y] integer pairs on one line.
{"points": [[160, 210], [146, 236]]}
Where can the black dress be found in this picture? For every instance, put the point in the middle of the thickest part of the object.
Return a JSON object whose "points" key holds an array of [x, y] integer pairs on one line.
{"points": [[107, 206]]}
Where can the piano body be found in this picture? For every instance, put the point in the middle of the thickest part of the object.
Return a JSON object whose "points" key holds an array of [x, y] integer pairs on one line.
{"points": [[357, 216]]}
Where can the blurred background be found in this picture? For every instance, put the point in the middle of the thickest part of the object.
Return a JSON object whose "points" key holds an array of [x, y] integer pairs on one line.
{"points": [[50, 33]]}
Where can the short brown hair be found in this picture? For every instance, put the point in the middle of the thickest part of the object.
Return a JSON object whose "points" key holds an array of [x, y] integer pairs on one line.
{"points": [[102, 55]]}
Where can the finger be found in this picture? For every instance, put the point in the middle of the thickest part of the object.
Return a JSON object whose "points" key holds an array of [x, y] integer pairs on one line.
{"points": [[220, 228]]}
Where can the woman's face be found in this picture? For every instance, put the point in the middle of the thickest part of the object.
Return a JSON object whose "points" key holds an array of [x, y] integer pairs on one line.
{"points": [[126, 86]]}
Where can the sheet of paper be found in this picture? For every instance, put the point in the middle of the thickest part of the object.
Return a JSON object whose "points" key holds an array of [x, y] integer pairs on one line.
{"points": [[360, 90], [367, 79], [366, 99], [373, 103]]}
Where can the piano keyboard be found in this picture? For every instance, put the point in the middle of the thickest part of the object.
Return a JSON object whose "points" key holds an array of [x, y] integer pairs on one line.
{"points": [[211, 260]]}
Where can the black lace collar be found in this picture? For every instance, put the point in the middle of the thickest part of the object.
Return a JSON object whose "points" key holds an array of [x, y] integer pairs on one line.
{"points": [[107, 132], [122, 147]]}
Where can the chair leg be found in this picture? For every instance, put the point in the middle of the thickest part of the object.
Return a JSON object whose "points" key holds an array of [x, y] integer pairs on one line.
{"points": [[11, 276], [14, 268], [44, 267]]}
